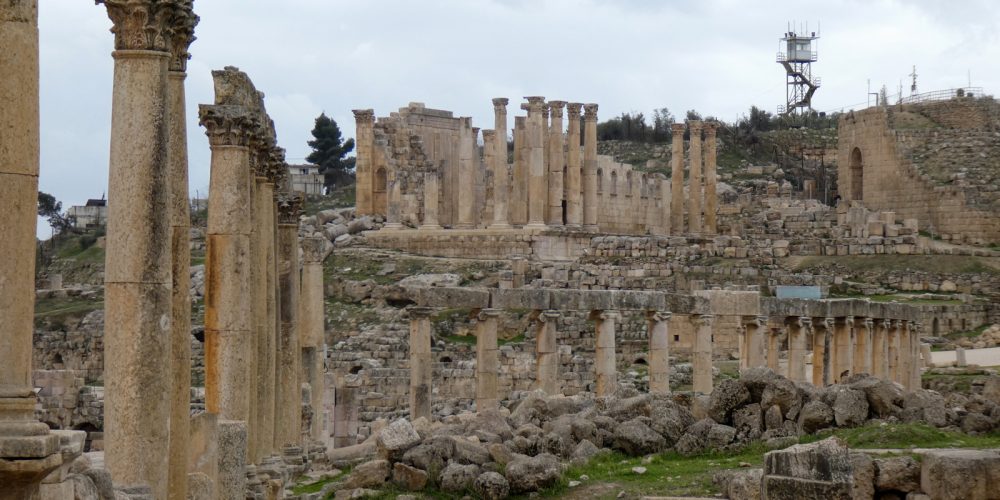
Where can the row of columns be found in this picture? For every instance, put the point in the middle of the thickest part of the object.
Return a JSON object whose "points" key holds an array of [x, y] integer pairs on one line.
{"points": [[841, 346], [702, 197], [547, 364]]}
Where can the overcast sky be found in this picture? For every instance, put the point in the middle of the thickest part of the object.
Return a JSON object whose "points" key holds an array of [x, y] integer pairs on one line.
{"points": [[308, 56]]}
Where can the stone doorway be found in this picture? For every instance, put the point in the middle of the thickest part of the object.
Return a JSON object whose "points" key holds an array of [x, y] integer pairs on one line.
{"points": [[857, 175]]}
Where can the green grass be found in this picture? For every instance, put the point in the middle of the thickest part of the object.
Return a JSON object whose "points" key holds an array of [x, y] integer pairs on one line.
{"points": [[56, 311], [317, 486], [969, 334], [668, 473], [460, 339], [906, 436], [513, 340]]}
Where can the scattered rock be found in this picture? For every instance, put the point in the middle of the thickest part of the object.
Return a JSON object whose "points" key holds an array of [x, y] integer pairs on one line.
{"points": [[491, 486]]}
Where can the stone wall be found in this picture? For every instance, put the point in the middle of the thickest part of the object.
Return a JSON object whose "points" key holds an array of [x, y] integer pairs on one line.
{"points": [[882, 152]]}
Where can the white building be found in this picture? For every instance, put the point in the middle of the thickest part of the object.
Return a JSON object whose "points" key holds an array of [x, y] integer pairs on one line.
{"points": [[306, 179], [93, 214]]}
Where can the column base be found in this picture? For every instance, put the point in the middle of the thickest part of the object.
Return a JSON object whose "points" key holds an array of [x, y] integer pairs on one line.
{"points": [[591, 227], [429, 227], [500, 225], [536, 225], [393, 226]]}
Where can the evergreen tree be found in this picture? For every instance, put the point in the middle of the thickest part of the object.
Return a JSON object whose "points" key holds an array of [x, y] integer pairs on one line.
{"points": [[329, 150]]}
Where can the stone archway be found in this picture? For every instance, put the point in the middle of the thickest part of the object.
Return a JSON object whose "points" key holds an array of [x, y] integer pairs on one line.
{"points": [[857, 175]]}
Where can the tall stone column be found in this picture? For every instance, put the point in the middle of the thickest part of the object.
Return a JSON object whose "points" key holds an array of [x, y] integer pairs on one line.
{"points": [[312, 323], [659, 351], [487, 361], [574, 166], [915, 328], [466, 175], [590, 200], [845, 349], [666, 215], [604, 358], [821, 358], [393, 203], [228, 336], [519, 175], [863, 352], [421, 367], [138, 300], [677, 178], [701, 362], [798, 332], [180, 248], [501, 180], [756, 328], [537, 192], [267, 269], [880, 350], [288, 407], [556, 164], [547, 352], [364, 140], [431, 201], [772, 349], [694, 179], [489, 161], [711, 195], [903, 364], [894, 351], [27, 451]]}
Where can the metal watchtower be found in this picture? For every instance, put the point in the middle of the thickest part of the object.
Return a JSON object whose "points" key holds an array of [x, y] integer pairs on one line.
{"points": [[797, 52]]}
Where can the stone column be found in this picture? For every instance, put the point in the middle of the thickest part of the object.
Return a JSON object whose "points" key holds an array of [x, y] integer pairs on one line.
{"points": [[180, 249], [138, 301], [393, 203], [894, 350], [519, 175], [501, 181], [701, 363], [880, 350], [798, 331], [312, 322], [556, 164], [28, 452], [659, 351], [421, 367], [677, 178], [756, 328], [665, 209], [711, 197], [267, 268], [486, 205], [845, 348], [821, 359], [431, 197], [547, 352], [364, 139], [694, 178], [574, 173], [288, 408], [915, 355], [604, 358], [863, 354], [228, 310], [537, 192], [487, 361], [905, 352], [772, 348], [590, 200], [466, 175]]}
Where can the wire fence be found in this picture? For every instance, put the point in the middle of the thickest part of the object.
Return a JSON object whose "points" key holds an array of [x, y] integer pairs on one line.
{"points": [[941, 95]]}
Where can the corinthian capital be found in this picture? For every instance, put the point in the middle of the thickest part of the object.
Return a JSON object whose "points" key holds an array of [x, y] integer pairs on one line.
{"points": [[557, 108], [573, 110], [140, 24], [364, 116], [226, 125], [289, 208], [535, 103], [181, 28], [500, 104], [590, 112]]}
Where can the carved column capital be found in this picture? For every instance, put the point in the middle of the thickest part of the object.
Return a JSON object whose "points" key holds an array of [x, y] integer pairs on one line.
{"points": [[704, 320], [573, 110], [313, 249], [489, 135], [608, 315], [141, 24], [549, 315], [535, 103], [289, 208], [829, 323], [364, 116], [869, 323], [710, 128], [419, 312], [677, 128], [695, 125], [181, 28], [590, 112], [227, 125], [805, 322], [500, 104], [488, 313], [556, 107], [658, 316], [849, 321]]}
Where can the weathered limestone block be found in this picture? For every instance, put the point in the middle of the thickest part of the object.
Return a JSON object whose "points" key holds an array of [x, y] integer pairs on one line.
{"points": [[960, 474], [825, 469]]}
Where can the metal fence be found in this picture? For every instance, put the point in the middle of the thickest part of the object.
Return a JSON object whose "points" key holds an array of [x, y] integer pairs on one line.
{"points": [[941, 95]]}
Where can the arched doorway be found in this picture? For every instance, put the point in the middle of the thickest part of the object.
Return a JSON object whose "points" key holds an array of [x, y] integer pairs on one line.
{"points": [[857, 175]]}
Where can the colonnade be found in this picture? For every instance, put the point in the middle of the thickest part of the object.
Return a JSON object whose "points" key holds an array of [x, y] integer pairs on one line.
{"points": [[840, 346]]}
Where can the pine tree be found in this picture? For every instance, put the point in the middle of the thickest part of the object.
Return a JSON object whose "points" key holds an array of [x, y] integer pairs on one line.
{"points": [[329, 150]]}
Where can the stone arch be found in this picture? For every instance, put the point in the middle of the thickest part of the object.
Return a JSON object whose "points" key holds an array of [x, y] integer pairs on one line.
{"points": [[446, 359], [381, 180], [356, 369], [90, 429], [600, 181], [935, 327], [857, 175], [614, 183], [640, 360]]}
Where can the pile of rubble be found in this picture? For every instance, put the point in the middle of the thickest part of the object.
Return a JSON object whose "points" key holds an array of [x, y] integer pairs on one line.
{"points": [[496, 453], [340, 226], [989, 338]]}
